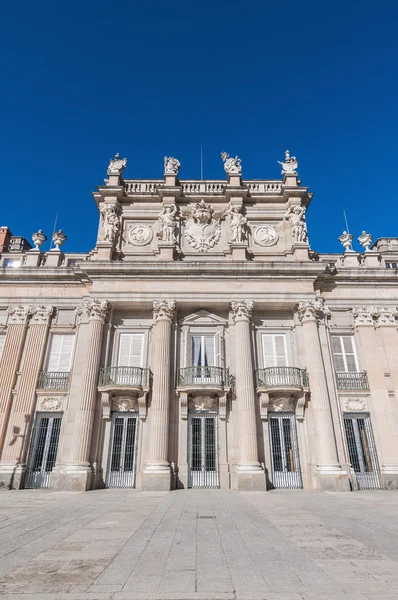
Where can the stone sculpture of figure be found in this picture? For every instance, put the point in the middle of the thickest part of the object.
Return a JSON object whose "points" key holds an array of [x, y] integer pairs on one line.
{"points": [[116, 165], [171, 165], [365, 239], [296, 215], [110, 223], [237, 223], [346, 240], [289, 165], [167, 222], [232, 166]]}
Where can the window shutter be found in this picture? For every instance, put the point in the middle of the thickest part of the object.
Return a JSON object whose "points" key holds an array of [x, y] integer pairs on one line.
{"points": [[217, 344], [55, 353], [2, 342], [268, 350], [60, 354], [209, 351], [65, 358], [350, 354], [131, 347], [280, 350], [274, 350], [196, 354], [344, 355]]}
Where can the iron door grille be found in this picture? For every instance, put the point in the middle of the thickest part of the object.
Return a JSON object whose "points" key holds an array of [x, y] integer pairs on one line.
{"points": [[203, 450], [362, 450], [285, 459], [123, 450], [43, 449]]}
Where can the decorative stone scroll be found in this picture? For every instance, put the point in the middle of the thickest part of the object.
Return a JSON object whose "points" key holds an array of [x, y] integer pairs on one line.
{"points": [[96, 310], [282, 403], [163, 309], [124, 403], [354, 404], [18, 315], [241, 309], [41, 314], [116, 165], [312, 309], [50, 404], [201, 403], [140, 235], [265, 235]]}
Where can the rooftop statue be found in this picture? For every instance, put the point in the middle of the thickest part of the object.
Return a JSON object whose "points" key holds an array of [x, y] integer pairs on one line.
{"points": [[290, 164], [346, 240], [232, 166], [365, 239], [58, 238], [116, 165], [38, 239], [171, 165]]}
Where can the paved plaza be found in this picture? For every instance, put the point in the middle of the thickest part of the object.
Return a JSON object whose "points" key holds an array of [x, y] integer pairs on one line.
{"points": [[202, 545]]}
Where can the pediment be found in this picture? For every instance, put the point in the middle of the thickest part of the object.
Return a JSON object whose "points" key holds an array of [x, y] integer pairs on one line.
{"points": [[203, 317]]}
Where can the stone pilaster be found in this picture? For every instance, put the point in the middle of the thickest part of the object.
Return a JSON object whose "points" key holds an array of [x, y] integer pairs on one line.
{"points": [[366, 318], [16, 443], [329, 472], [250, 474], [13, 346], [77, 473], [156, 474]]}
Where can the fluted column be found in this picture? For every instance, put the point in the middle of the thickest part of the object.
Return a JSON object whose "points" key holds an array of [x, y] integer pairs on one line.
{"points": [[78, 465], [250, 473], [330, 474], [16, 443], [366, 319], [156, 474], [388, 324], [13, 346]]}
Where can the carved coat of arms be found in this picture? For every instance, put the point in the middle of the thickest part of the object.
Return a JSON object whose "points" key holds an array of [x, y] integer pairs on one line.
{"points": [[203, 228]]}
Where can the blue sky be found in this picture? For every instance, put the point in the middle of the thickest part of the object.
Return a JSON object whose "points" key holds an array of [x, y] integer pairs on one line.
{"points": [[83, 80]]}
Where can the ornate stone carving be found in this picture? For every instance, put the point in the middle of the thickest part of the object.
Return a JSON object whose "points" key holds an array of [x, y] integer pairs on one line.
{"points": [[41, 314], [312, 309], [237, 223], [167, 223], [241, 309], [110, 223], [140, 235], [49, 404], [282, 403], [171, 165], [58, 238], [18, 315], [96, 310], [289, 165], [365, 239], [387, 316], [232, 166], [202, 229], [346, 240], [296, 216], [124, 403], [265, 235], [116, 165], [38, 239], [200, 403], [163, 309], [365, 315], [354, 404]]}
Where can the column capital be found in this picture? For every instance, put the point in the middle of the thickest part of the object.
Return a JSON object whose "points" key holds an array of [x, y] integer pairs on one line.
{"points": [[18, 315], [365, 315], [387, 316], [41, 315], [96, 310], [163, 309], [312, 310], [242, 310]]}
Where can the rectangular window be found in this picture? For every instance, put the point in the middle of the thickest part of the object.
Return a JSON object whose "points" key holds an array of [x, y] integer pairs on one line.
{"points": [[344, 354], [131, 350], [203, 351], [60, 353], [392, 265], [274, 350]]}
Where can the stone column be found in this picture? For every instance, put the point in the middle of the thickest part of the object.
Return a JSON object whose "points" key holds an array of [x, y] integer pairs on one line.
{"points": [[250, 473], [366, 318], [77, 473], [329, 472], [16, 443], [13, 346], [156, 474]]}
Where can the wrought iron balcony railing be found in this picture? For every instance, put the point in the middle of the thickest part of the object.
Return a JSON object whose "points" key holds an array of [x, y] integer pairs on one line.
{"points": [[352, 381], [273, 377], [124, 377], [53, 380], [203, 376]]}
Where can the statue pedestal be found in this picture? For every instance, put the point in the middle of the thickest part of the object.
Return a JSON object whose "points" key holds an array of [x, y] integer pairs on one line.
{"points": [[166, 251], [351, 259], [371, 260], [238, 250], [33, 258], [104, 251], [54, 258], [290, 180], [235, 180], [170, 179], [300, 251]]}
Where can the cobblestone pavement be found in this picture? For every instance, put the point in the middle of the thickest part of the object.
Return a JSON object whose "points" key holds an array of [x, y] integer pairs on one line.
{"points": [[202, 545]]}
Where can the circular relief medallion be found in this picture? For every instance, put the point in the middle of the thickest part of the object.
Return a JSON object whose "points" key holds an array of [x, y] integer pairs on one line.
{"points": [[265, 235], [139, 235]]}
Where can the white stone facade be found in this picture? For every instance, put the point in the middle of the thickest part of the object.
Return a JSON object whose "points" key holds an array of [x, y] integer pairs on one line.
{"points": [[201, 343]]}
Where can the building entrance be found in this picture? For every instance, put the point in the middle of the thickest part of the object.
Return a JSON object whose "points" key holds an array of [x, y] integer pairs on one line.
{"points": [[285, 460], [203, 450], [43, 449], [123, 450], [362, 450]]}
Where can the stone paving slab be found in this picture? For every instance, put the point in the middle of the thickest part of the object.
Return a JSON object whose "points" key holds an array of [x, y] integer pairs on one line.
{"points": [[198, 545]]}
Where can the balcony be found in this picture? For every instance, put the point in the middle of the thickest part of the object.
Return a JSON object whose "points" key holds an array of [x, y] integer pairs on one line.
{"points": [[192, 377], [282, 378], [53, 380], [123, 378], [352, 381]]}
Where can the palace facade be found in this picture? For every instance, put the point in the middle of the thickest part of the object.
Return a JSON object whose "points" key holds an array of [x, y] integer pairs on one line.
{"points": [[200, 344]]}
